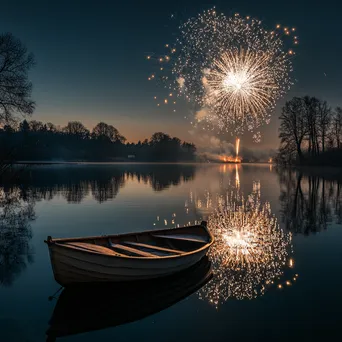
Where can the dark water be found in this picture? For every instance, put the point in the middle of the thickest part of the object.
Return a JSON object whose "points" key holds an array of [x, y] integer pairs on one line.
{"points": [[285, 286]]}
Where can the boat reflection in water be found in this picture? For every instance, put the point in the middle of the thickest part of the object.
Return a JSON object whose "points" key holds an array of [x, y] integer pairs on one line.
{"points": [[86, 308], [250, 252]]}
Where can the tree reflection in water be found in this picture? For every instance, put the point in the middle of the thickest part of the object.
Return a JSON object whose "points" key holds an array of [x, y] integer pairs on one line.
{"points": [[74, 184], [16, 213], [103, 183], [75, 193], [310, 202]]}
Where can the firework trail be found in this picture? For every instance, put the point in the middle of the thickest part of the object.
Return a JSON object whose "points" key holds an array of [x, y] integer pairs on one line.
{"points": [[231, 68], [237, 147]]}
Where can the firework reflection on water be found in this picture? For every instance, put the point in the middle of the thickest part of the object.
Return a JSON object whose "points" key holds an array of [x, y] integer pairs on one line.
{"points": [[250, 251]]}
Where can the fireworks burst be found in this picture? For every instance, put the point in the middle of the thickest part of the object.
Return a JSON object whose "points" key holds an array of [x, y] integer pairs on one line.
{"points": [[241, 88], [230, 67]]}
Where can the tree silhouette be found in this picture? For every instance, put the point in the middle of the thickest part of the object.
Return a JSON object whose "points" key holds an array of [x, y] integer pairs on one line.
{"points": [[105, 132], [34, 140], [15, 89], [337, 127], [76, 129], [24, 126], [293, 127], [159, 138], [309, 132], [324, 121]]}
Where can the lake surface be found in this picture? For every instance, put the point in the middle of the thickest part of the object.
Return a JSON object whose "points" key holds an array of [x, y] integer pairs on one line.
{"points": [[276, 264]]}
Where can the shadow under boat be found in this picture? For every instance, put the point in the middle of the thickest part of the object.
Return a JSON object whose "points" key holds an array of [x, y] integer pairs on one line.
{"points": [[84, 308]]}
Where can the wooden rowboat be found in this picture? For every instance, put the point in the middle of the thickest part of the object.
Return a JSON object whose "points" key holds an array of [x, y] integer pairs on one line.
{"points": [[133, 256], [87, 307]]}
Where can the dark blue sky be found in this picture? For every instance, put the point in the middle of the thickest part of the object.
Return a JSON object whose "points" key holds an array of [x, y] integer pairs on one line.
{"points": [[91, 63]]}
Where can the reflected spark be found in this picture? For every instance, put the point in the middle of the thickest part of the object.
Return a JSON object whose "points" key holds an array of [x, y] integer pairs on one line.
{"points": [[237, 177], [250, 250], [251, 253]]}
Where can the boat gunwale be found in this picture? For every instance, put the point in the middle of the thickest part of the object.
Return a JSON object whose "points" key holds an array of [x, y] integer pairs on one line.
{"points": [[57, 243]]}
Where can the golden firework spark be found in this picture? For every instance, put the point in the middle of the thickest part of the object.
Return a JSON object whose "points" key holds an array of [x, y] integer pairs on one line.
{"points": [[241, 87], [231, 66]]}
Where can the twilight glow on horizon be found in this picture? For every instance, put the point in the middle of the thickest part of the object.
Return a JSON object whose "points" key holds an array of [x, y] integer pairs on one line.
{"points": [[91, 67]]}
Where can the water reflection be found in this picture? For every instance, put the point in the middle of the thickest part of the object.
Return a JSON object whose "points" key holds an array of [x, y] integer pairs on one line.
{"points": [[251, 252], [74, 183], [73, 193], [16, 213], [106, 189], [85, 308], [310, 202], [103, 183]]}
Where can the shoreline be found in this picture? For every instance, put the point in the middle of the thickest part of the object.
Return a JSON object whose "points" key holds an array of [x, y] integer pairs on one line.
{"points": [[42, 162]]}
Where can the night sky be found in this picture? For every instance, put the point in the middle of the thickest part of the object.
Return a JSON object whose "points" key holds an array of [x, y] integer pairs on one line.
{"points": [[91, 57]]}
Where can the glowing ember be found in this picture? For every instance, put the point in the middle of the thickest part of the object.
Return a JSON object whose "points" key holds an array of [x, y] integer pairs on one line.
{"points": [[230, 159]]}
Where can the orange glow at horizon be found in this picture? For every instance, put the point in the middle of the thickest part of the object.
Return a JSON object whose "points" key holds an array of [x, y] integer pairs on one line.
{"points": [[230, 159]]}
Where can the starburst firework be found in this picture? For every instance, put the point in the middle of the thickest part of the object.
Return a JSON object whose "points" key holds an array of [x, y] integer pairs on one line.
{"points": [[241, 87], [231, 68]]}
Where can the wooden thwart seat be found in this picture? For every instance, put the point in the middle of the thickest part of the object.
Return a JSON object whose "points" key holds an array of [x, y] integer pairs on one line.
{"points": [[89, 247], [183, 237], [157, 248], [131, 250]]}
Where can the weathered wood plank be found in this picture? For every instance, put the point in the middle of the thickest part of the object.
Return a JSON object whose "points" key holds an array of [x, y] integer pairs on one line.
{"points": [[157, 248], [182, 237], [91, 247], [132, 250]]}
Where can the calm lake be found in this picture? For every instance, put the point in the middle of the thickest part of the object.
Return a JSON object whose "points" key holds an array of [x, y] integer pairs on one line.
{"points": [[279, 278]]}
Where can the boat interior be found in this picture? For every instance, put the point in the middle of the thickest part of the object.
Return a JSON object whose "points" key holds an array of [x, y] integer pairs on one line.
{"points": [[159, 243]]}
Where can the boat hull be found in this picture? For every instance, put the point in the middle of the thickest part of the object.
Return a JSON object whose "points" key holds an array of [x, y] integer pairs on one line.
{"points": [[70, 267]]}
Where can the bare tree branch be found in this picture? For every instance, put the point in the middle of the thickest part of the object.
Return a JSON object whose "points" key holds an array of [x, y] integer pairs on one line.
{"points": [[15, 88]]}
